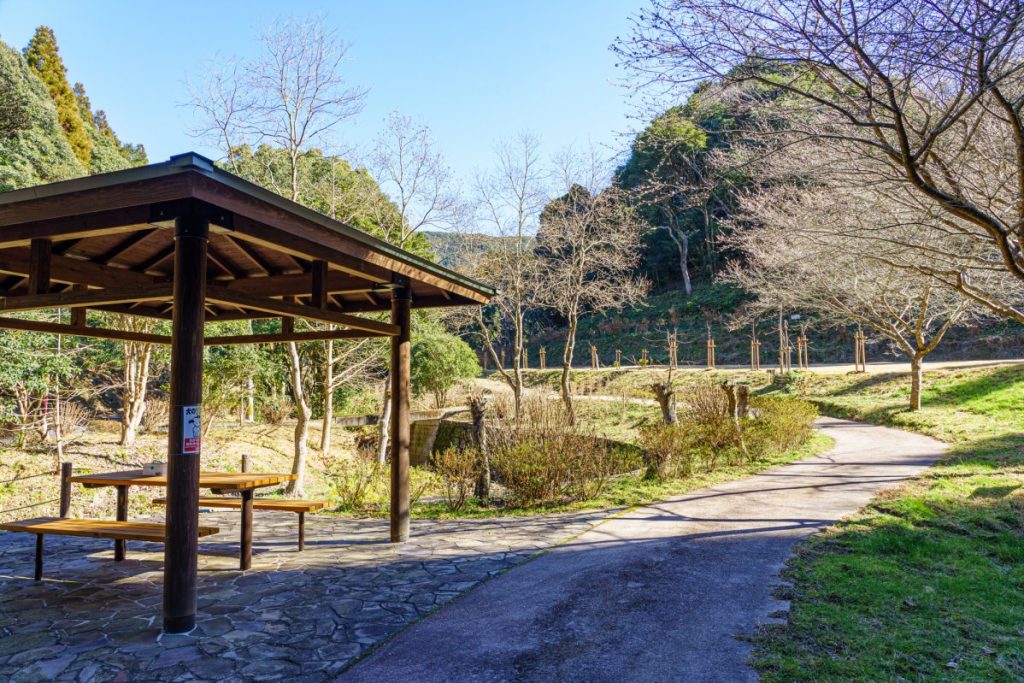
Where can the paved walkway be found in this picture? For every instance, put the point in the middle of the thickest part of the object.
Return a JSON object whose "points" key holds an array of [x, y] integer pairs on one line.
{"points": [[664, 593], [294, 616]]}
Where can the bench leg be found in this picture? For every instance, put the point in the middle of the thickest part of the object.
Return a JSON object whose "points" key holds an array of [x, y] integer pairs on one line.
{"points": [[245, 559], [302, 531], [122, 516], [39, 557]]}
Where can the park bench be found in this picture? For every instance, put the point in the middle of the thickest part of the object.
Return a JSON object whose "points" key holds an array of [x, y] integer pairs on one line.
{"points": [[90, 528], [299, 507]]}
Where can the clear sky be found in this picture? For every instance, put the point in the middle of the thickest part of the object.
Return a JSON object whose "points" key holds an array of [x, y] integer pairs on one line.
{"points": [[472, 71]]}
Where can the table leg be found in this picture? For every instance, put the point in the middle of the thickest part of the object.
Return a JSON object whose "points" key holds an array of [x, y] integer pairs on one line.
{"points": [[246, 542], [122, 516], [302, 531]]}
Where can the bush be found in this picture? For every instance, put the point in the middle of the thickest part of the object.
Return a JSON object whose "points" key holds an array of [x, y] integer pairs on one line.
{"points": [[459, 469], [780, 424], [358, 483], [708, 437], [544, 459], [275, 411], [156, 414], [440, 361]]}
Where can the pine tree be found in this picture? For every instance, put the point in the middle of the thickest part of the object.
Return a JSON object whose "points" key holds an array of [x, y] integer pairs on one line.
{"points": [[44, 59]]}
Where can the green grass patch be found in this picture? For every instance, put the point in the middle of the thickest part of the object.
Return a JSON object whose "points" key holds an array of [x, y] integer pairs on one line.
{"points": [[927, 583]]}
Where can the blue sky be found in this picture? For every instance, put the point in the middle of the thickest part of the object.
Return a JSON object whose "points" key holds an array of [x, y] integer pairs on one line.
{"points": [[472, 71]]}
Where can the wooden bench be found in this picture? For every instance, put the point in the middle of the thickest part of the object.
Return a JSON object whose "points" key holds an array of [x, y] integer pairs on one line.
{"points": [[299, 507], [91, 528]]}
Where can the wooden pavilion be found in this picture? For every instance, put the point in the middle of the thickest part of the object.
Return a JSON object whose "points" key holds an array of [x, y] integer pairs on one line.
{"points": [[191, 243]]}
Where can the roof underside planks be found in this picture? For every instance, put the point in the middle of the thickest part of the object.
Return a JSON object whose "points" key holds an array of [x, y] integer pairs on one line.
{"points": [[107, 242]]}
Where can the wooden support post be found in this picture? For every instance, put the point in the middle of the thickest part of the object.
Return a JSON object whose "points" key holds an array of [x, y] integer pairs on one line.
{"points": [[618, 358], [245, 541], [122, 516], [302, 531], [401, 305], [65, 488], [181, 546], [593, 357], [318, 297], [39, 266], [39, 557], [78, 313], [711, 354], [543, 364]]}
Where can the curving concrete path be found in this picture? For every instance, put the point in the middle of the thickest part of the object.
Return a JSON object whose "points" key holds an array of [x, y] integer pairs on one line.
{"points": [[662, 593]]}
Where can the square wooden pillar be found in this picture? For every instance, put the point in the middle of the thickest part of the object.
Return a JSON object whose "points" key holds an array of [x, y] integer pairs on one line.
{"points": [[401, 309], [181, 547]]}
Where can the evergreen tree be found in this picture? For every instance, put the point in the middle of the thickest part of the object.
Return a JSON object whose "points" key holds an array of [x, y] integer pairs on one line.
{"points": [[108, 152], [44, 59], [33, 149]]}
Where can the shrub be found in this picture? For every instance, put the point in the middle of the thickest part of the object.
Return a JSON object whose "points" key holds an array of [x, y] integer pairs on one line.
{"points": [[358, 483], [780, 424], [74, 417], [155, 415], [459, 469], [667, 451], [276, 410], [440, 361]]}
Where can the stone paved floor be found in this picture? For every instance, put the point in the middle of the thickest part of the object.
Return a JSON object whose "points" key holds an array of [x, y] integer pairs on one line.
{"points": [[296, 616]]}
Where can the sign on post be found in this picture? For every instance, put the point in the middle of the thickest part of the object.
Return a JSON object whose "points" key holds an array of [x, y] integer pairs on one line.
{"points": [[191, 431]]}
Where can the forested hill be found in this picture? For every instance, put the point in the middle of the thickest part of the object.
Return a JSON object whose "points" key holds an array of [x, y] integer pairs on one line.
{"points": [[48, 128]]}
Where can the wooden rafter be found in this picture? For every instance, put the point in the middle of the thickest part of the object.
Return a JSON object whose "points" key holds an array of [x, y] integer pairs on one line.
{"points": [[288, 309], [90, 298]]}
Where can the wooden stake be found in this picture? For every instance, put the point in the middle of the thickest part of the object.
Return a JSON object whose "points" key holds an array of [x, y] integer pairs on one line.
{"points": [[543, 353], [711, 354], [593, 357], [618, 358]]}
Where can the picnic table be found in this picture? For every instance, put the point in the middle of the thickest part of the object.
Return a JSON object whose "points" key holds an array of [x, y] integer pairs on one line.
{"points": [[243, 482]]}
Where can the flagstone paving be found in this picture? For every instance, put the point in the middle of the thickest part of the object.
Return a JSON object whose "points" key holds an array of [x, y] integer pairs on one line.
{"points": [[297, 616]]}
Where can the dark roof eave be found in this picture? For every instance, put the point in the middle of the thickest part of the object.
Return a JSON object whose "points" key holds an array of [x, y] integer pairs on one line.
{"points": [[192, 162]]}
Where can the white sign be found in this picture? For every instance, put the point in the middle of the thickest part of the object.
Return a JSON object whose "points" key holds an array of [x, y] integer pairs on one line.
{"points": [[191, 430]]}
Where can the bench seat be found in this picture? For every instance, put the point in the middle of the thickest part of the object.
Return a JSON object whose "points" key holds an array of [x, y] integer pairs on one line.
{"points": [[90, 528], [299, 507], [281, 504]]}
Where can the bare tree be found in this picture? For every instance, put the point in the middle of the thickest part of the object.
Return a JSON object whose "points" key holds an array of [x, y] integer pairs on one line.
{"points": [[929, 91], [344, 364], [408, 167], [589, 240], [509, 201], [292, 95], [808, 254]]}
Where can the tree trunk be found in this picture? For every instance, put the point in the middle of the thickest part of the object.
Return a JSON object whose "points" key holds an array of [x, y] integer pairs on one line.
{"points": [[916, 381], [302, 415], [250, 401], [385, 424], [478, 411], [566, 389], [133, 392], [328, 407], [666, 395], [683, 247]]}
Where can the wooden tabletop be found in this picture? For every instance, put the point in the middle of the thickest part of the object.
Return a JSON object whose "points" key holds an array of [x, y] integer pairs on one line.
{"points": [[234, 481]]}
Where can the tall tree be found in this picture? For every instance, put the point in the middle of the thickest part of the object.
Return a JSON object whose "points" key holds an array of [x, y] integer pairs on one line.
{"points": [[589, 240], [928, 93], [509, 198], [289, 97], [43, 57]]}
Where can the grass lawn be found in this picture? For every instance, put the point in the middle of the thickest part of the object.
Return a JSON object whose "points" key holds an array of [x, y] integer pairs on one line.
{"points": [[927, 583]]}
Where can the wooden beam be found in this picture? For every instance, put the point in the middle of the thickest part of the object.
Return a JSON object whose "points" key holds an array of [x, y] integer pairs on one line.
{"points": [[155, 259], [75, 330], [295, 285], [122, 246], [282, 337], [252, 254], [78, 314], [90, 298], [224, 295], [39, 266], [318, 298], [72, 270]]}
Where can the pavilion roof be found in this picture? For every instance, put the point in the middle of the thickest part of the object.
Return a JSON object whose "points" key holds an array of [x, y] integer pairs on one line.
{"points": [[107, 242]]}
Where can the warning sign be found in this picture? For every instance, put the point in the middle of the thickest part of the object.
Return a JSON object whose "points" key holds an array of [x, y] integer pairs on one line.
{"points": [[191, 432]]}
